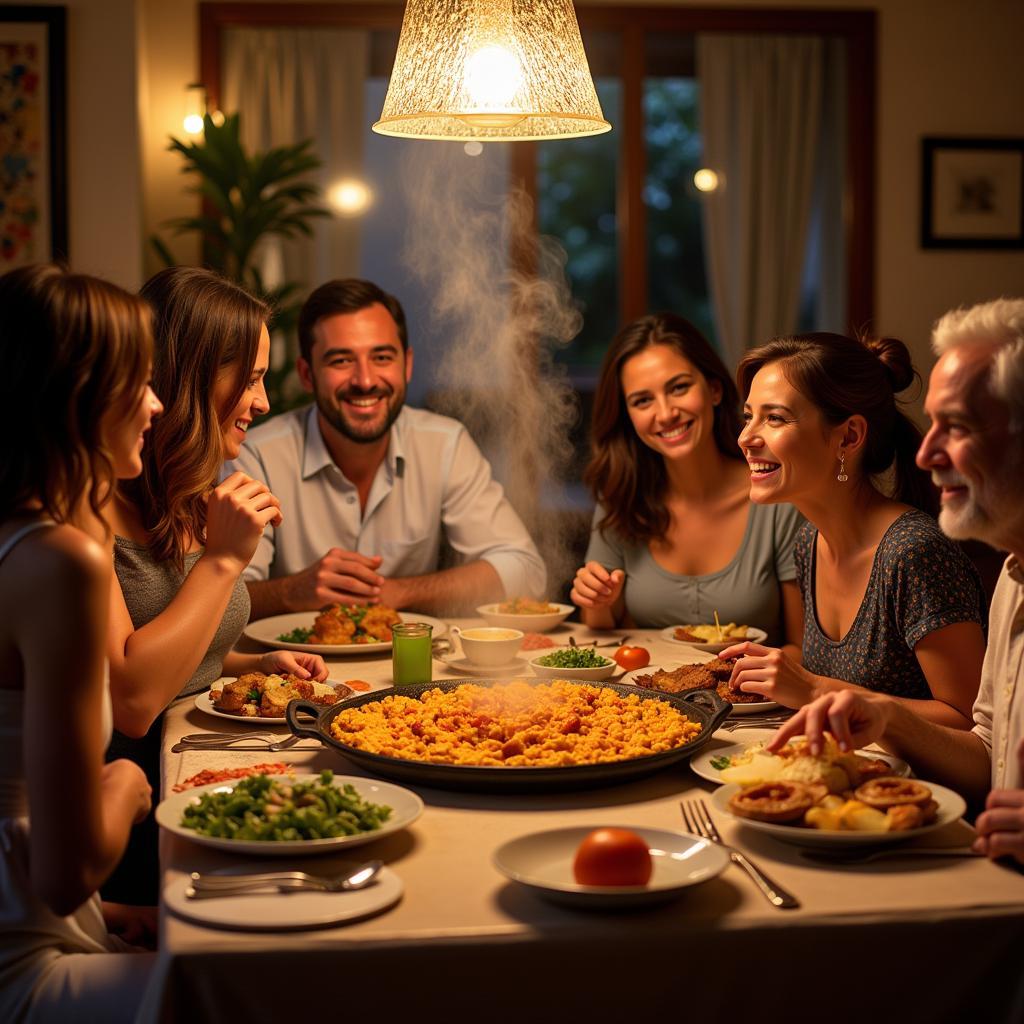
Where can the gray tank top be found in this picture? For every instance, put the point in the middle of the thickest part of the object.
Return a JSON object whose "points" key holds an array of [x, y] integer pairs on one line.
{"points": [[150, 586]]}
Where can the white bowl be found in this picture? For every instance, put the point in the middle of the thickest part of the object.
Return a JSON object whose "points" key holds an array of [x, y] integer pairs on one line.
{"points": [[490, 646], [552, 672], [530, 623]]}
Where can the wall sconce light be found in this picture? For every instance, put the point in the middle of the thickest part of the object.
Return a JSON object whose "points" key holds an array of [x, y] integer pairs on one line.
{"points": [[195, 108], [349, 197], [706, 180], [491, 70]]}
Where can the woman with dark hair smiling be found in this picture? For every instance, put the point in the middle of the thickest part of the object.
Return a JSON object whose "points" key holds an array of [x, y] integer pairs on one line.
{"points": [[890, 603], [182, 540], [675, 538]]}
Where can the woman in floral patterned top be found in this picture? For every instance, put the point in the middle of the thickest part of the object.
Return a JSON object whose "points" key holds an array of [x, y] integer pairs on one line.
{"points": [[890, 603]]}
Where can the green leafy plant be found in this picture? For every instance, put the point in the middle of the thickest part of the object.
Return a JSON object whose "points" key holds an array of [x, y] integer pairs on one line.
{"points": [[247, 197]]}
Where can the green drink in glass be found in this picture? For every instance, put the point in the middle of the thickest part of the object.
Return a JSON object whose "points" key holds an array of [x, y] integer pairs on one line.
{"points": [[410, 653]]}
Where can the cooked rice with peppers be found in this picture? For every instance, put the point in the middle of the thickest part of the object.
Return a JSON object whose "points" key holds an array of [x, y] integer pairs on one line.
{"points": [[516, 724]]}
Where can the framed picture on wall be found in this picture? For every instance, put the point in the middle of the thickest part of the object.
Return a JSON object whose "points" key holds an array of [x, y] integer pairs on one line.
{"points": [[972, 193], [33, 183]]}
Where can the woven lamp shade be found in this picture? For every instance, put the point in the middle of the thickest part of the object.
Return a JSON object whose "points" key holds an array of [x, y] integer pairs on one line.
{"points": [[492, 70]]}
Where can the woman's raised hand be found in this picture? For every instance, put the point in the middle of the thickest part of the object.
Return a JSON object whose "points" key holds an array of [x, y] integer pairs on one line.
{"points": [[238, 511], [771, 673], [595, 587]]}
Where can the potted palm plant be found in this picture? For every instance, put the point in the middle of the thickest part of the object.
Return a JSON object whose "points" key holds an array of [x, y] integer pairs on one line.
{"points": [[246, 198]]}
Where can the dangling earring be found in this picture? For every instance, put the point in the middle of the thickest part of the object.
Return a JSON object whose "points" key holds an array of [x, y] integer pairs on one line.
{"points": [[842, 477]]}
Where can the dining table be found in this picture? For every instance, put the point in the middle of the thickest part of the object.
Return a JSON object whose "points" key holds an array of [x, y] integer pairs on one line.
{"points": [[923, 938]]}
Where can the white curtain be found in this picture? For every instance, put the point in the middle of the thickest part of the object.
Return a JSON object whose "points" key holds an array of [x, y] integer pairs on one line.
{"points": [[761, 99], [294, 84]]}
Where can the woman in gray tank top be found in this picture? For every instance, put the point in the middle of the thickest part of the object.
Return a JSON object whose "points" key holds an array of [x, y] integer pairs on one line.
{"points": [[675, 539], [76, 354], [182, 540]]}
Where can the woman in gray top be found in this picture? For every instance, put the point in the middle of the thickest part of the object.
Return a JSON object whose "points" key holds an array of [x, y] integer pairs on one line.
{"points": [[181, 540], [675, 538]]}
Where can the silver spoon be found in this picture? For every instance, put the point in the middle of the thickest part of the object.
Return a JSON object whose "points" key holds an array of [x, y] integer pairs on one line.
{"points": [[598, 643], [207, 886]]}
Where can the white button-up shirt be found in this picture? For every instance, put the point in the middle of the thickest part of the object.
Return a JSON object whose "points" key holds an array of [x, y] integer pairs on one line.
{"points": [[433, 484], [999, 709]]}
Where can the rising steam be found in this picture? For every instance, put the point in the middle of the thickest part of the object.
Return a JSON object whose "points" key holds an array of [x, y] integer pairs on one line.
{"points": [[501, 326]]}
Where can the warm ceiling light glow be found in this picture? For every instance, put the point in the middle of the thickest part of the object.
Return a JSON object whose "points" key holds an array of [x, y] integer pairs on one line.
{"points": [[349, 196], [705, 180], [490, 70], [193, 124], [195, 107]]}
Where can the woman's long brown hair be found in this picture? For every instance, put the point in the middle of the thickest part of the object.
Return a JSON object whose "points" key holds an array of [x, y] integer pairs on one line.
{"points": [[203, 324], [626, 477], [844, 376], [75, 352]]}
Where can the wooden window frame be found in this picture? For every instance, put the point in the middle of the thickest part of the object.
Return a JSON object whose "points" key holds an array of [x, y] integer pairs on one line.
{"points": [[858, 29]]}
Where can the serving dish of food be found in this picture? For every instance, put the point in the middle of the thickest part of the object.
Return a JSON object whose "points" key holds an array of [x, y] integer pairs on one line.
{"points": [[749, 763], [260, 699], [336, 631], [674, 677], [528, 734], [525, 614], [544, 863], [883, 810], [285, 814], [712, 636], [572, 663]]}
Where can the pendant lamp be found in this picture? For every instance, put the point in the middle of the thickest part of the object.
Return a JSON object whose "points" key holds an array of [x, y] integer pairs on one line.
{"points": [[490, 70]]}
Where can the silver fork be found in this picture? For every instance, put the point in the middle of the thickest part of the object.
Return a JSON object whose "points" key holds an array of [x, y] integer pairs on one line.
{"points": [[204, 886], [243, 743], [754, 722], [698, 820]]}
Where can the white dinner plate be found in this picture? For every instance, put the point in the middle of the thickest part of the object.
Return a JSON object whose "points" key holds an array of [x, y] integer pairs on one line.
{"points": [[951, 808], [754, 635], [538, 623], [205, 703], [405, 806], [266, 632], [542, 861], [284, 911], [701, 761], [670, 666], [463, 666]]}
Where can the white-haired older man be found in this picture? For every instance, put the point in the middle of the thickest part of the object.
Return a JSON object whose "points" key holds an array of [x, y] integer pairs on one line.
{"points": [[975, 451]]}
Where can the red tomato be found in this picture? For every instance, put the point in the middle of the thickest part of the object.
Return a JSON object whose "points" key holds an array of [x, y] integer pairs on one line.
{"points": [[632, 657], [612, 856]]}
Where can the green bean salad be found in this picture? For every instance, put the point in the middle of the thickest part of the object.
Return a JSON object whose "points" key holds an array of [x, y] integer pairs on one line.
{"points": [[573, 657], [268, 809]]}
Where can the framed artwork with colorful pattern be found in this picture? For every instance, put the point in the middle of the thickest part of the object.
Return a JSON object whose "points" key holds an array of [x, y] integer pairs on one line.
{"points": [[33, 160]]}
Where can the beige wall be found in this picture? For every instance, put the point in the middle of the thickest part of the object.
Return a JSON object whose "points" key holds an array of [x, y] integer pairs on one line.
{"points": [[944, 67], [105, 183]]}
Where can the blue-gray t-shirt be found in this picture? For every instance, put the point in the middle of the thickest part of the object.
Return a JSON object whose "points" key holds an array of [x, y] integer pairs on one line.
{"points": [[745, 591]]}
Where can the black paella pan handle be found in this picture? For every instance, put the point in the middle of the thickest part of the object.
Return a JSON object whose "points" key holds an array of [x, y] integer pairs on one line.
{"points": [[292, 712], [709, 700]]}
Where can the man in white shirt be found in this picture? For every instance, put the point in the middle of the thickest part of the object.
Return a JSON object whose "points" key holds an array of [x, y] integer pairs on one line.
{"points": [[370, 487], [975, 451]]}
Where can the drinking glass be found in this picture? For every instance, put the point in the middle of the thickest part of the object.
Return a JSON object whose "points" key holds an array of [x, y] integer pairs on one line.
{"points": [[410, 653]]}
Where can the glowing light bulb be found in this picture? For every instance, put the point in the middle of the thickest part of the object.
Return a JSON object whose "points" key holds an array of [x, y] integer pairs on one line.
{"points": [[193, 124], [705, 180], [349, 196], [493, 76]]}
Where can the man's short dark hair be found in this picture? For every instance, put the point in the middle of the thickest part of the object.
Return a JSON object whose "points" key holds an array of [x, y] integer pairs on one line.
{"points": [[346, 296]]}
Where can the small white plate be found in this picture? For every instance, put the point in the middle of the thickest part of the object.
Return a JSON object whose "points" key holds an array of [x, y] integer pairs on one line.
{"points": [[463, 666], [266, 632], [754, 635], [543, 862], [270, 911], [701, 761], [554, 672], [205, 703], [669, 666], [951, 808], [405, 806], [540, 623]]}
